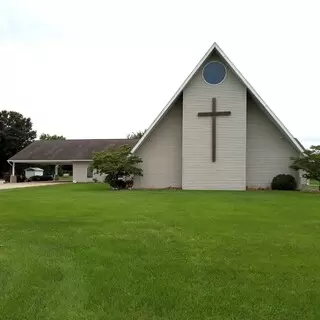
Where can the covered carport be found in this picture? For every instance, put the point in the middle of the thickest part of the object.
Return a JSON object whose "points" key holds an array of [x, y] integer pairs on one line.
{"points": [[77, 153], [56, 164]]}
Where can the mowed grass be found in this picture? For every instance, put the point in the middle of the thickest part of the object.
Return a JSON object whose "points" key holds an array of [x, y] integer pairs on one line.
{"points": [[85, 252]]}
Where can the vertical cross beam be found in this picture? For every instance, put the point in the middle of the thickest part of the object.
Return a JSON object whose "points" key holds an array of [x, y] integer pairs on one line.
{"points": [[214, 114], [214, 130]]}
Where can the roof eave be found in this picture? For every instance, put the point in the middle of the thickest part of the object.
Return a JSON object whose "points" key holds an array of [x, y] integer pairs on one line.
{"points": [[49, 161]]}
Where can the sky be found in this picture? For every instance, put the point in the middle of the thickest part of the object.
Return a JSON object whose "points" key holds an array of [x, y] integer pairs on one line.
{"points": [[102, 69]]}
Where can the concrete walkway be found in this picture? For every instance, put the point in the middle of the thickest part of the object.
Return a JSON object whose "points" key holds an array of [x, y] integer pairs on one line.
{"points": [[4, 186]]}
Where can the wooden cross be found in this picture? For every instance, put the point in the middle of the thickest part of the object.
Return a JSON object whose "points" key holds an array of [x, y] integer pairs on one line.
{"points": [[214, 114]]}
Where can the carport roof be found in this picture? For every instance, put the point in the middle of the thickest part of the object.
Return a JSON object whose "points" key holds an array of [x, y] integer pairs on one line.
{"points": [[66, 150]]}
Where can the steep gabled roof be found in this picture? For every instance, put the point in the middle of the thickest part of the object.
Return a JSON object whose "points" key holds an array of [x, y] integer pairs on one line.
{"points": [[250, 89], [66, 150]]}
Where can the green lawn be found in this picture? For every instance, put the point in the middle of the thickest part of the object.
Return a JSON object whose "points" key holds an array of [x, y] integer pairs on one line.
{"points": [[84, 252]]}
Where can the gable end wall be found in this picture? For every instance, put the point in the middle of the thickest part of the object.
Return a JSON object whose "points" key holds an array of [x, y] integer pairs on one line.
{"points": [[268, 150], [161, 153]]}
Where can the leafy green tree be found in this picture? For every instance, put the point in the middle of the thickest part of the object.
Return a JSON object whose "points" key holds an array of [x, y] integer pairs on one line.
{"points": [[117, 163], [46, 136], [136, 135], [309, 163], [15, 134]]}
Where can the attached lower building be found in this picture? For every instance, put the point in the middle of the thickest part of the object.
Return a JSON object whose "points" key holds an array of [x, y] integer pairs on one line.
{"points": [[77, 153]]}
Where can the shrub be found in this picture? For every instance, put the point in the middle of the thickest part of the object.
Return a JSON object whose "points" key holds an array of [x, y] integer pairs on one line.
{"points": [[124, 182], [284, 182], [119, 166]]}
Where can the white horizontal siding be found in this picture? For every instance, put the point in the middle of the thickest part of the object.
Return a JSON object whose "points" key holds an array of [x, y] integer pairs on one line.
{"points": [[268, 150], [80, 172], [228, 172], [161, 153]]}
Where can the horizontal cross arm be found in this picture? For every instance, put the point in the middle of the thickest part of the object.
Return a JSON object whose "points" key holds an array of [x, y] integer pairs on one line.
{"points": [[205, 114], [214, 114], [223, 113]]}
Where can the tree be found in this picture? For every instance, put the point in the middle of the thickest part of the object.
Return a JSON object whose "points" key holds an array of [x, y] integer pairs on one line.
{"points": [[46, 136], [309, 163], [136, 135], [117, 163], [15, 134]]}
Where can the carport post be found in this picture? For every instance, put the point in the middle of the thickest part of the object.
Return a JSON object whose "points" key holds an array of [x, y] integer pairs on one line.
{"points": [[13, 178], [56, 172]]}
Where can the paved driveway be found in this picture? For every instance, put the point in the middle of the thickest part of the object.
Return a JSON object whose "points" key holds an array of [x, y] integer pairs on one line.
{"points": [[4, 186]]}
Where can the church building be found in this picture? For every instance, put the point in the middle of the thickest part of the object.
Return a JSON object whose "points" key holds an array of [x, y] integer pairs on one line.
{"points": [[216, 133]]}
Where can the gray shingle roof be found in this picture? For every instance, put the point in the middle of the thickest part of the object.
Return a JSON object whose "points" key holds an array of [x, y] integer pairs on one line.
{"points": [[67, 149]]}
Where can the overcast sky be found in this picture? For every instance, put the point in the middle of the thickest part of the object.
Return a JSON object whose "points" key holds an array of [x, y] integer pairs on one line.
{"points": [[101, 69]]}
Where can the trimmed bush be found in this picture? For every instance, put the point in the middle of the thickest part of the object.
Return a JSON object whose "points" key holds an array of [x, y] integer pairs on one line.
{"points": [[118, 183], [284, 182]]}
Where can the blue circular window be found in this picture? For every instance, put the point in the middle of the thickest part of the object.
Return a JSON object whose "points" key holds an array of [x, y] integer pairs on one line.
{"points": [[214, 72]]}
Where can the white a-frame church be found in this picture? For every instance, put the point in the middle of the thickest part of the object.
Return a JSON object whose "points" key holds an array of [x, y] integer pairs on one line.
{"points": [[215, 133]]}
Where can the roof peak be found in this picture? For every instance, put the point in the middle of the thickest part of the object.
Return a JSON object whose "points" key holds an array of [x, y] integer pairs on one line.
{"points": [[262, 104]]}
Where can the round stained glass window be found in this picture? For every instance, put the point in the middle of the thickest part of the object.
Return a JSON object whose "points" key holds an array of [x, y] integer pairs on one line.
{"points": [[214, 72]]}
